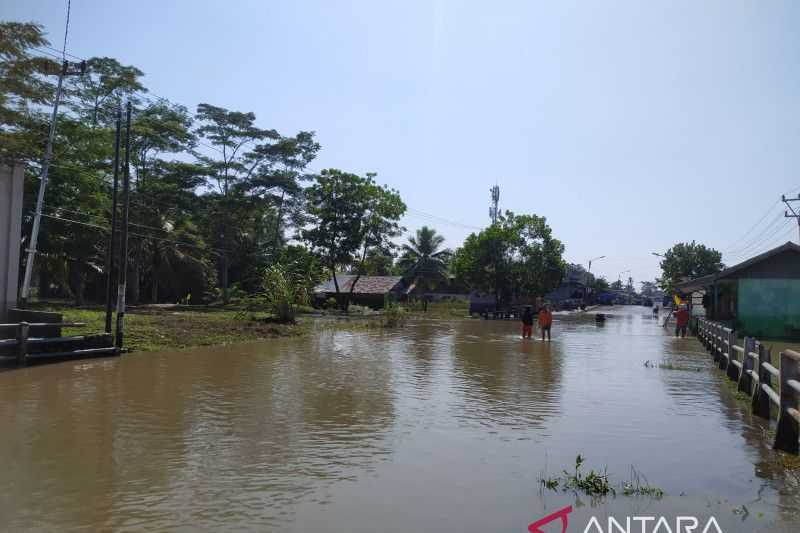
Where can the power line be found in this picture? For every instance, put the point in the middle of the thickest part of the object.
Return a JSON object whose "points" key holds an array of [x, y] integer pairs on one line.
{"points": [[755, 240], [767, 243], [760, 220], [66, 32], [141, 235]]}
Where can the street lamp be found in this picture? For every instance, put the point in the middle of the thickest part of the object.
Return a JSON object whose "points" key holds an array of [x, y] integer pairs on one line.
{"points": [[594, 259]]}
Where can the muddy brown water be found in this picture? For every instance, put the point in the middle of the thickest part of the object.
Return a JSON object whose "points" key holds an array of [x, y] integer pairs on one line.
{"points": [[438, 426]]}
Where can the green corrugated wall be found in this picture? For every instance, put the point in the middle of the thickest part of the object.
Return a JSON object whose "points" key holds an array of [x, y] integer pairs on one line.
{"points": [[769, 308]]}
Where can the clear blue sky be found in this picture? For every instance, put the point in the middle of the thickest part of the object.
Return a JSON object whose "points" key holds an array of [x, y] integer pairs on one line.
{"points": [[629, 125]]}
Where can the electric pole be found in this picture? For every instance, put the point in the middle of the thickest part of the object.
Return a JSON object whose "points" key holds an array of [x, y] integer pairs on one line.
{"points": [[123, 260], [66, 70], [795, 214], [494, 211], [112, 245]]}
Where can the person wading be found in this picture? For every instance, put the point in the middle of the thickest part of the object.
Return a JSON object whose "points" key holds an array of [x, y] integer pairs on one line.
{"points": [[681, 320], [545, 320], [527, 322]]}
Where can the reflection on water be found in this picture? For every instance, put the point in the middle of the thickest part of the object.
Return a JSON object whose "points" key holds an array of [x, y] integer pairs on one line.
{"points": [[440, 426]]}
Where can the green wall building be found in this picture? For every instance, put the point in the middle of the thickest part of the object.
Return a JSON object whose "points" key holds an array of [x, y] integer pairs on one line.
{"points": [[759, 297]]}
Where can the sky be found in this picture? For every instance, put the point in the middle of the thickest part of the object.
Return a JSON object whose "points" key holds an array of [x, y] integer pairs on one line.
{"points": [[629, 125]]}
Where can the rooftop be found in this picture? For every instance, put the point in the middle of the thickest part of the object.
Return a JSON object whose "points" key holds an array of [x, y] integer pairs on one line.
{"points": [[365, 284]]}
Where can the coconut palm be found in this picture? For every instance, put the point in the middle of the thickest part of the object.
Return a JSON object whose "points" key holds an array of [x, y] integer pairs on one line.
{"points": [[423, 259]]}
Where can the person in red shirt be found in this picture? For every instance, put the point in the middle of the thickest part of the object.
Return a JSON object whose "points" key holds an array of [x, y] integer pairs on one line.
{"points": [[527, 322], [681, 320], [545, 320]]}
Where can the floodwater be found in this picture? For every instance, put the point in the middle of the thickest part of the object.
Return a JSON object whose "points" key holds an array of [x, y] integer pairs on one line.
{"points": [[444, 426]]}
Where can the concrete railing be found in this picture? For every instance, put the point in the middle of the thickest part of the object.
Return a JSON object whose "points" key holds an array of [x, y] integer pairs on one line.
{"points": [[750, 365], [23, 347]]}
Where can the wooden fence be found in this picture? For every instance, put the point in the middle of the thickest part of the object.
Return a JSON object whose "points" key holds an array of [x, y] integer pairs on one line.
{"points": [[23, 347], [751, 366]]}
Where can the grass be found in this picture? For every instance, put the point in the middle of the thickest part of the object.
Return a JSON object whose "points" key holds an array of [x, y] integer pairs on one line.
{"points": [[151, 329], [444, 310]]}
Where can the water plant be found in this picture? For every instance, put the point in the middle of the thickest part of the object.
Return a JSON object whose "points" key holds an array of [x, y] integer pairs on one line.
{"points": [[597, 484]]}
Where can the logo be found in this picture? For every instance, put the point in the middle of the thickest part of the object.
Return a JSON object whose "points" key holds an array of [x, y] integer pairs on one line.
{"points": [[632, 524], [562, 513]]}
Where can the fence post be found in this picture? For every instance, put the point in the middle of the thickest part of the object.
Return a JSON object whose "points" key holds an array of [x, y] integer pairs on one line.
{"points": [[760, 398], [745, 379], [787, 436], [701, 328], [714, 340], [733, 370], [22, 342], [724, 351]]}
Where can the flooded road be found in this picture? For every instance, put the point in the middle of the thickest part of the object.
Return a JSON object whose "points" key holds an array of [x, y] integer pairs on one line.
{"points": [[438, 426]]}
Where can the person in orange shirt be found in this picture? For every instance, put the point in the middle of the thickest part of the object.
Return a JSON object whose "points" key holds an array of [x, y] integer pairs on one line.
{"points": [[545, 320]]}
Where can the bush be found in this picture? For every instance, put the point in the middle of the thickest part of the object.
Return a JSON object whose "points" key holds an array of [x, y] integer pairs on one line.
{"points": [[393, 316], [283, 292]]}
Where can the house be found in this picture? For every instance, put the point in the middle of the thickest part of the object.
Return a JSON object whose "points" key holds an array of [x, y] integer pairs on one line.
{"points": [[370, 291], [759, 297]]}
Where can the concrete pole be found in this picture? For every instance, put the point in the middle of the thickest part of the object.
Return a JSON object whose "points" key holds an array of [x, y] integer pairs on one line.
{"points": [[37, 218], [11, 189]]}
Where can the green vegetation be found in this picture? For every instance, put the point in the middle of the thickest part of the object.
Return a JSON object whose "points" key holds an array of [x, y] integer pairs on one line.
{"points": [[162, 329], [688, 260], [516, 256], [216, 197], [349, 216], [597, 484], [424, 260]]}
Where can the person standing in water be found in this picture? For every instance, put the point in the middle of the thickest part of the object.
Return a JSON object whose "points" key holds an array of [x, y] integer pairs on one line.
{"points": [[545, 320], [527, 322], [681, 320]]}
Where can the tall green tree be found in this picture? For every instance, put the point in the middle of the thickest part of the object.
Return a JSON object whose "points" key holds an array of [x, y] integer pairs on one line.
{"points": [[24, 87], [688, 261], [424, 259], [94, 97], [350, 216], [517, 256]]}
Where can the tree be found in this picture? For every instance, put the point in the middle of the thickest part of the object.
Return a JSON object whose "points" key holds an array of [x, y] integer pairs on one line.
{"points": [[648, 288], [630, 286], [423, 258], [379, 263], [599, 284], [350, 216], [157, 129], [517, 256], [688, 261], [256, 177], [95, 95], [617, 285], [23, 87]]}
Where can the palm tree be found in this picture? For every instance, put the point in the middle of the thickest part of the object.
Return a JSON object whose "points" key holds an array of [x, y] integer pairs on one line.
{"points": [[423, 259]]}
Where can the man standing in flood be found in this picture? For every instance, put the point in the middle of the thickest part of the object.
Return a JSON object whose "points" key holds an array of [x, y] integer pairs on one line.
{"points": [[527, 322], [545, 320], [681, 320]]}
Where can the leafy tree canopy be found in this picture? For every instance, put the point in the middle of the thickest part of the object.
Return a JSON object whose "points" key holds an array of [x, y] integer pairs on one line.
{"points": [[688, 261]]}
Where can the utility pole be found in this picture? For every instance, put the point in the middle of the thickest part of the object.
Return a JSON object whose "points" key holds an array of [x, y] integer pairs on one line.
{"points": [[795, 214], [494, 211], [48, 155], [123, 260], [112, 245]]}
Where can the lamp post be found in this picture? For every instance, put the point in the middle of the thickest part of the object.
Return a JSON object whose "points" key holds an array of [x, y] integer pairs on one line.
{"points": [[594, 259], [588, 274]]}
